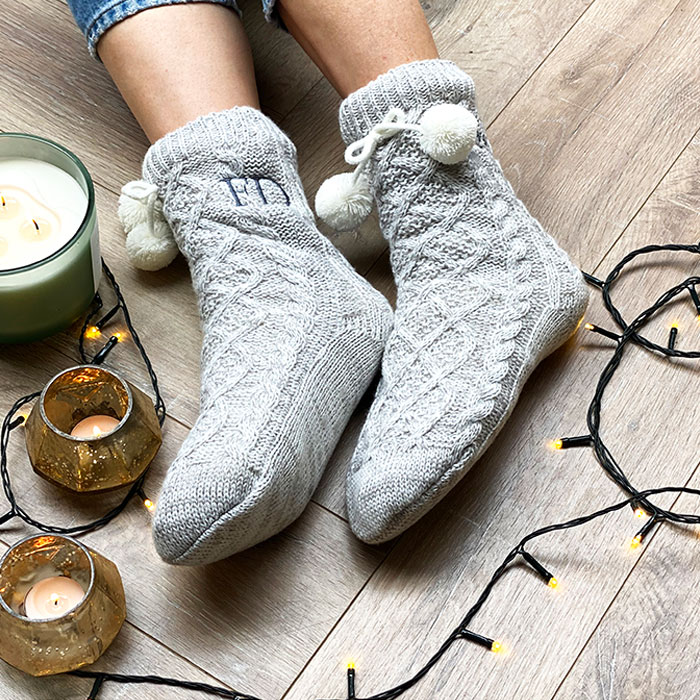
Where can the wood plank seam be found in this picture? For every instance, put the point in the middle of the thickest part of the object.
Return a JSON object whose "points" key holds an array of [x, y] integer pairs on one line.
{"points": [[338, 620], [641, 207]]}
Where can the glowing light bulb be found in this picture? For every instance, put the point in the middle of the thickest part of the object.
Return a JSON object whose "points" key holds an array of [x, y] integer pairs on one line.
{"points": [[496, 646], [640, 513], [93, 332], [119, 337], [558, 444], [589, 326], [351, 665], [149, 504], [553, 583], [675, 325], [636, 541]]}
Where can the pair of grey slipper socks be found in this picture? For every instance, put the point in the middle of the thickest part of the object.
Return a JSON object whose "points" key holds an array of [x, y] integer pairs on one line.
{"points": [[293, 336]]}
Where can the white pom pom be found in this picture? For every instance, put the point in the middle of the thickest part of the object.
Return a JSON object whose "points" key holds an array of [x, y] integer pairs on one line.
{"points": [[151, 248], [134, 203], [344, 201], [149, 241], [448, 133]]}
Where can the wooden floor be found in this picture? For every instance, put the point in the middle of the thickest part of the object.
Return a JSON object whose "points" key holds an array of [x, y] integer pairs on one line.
{"points": [[593, 107]]}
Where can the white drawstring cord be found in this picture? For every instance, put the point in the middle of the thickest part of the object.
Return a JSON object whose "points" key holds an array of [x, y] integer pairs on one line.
{"points": [[447, 134], [394, 121]]}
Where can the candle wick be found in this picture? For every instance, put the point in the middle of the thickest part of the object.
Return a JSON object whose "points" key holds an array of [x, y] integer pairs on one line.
{"points": [[3, 200], [36, 226]]}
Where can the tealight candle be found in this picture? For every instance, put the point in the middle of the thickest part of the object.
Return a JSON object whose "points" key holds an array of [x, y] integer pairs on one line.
{"points": [[53, 597], [94, 427], [49, 252]]}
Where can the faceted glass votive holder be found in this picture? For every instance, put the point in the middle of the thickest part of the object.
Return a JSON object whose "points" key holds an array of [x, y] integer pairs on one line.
{"points": [[101, 462], [80, 636]]}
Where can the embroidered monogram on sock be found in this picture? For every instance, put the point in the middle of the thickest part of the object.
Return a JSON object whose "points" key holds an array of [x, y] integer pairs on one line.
{"points": [[256, 191]]}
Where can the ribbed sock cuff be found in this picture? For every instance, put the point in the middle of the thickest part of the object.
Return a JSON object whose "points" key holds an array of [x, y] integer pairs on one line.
{"points": [[413, 85], [238, 142]]}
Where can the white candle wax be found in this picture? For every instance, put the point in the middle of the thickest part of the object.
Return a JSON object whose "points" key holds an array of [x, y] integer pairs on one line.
{"points": [[94, 426], [41, 208], [52, 597]]}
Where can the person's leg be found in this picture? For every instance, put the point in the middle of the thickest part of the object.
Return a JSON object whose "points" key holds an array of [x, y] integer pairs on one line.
{"points": [[353, 42], [483, 293], [174, 63], [292, 335]]}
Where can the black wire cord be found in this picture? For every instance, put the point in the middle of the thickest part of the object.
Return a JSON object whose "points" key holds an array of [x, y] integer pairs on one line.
{"points": [[462, 632], [101, 678]]}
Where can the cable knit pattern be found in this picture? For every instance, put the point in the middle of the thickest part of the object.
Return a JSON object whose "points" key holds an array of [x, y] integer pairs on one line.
{"points": [[292, 336], [484, 294]]}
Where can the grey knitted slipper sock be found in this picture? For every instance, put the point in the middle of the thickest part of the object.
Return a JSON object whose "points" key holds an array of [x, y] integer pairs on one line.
{"points": [[292, 336], [484, 294]]}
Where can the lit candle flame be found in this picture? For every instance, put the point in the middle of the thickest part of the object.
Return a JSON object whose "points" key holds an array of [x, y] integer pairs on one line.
{"points": [[96, 431], [55, 599]]}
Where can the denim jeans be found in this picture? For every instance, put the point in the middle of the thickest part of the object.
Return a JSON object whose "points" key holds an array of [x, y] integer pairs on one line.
{"points": [[95, 17]]}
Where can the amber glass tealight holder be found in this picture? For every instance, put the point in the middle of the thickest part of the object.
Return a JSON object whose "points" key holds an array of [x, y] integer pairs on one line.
{"points": [[46, 646], [98, 462]]}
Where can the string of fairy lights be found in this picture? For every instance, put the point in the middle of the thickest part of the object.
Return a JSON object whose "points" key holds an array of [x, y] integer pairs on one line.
{"points": [[639, 500]]}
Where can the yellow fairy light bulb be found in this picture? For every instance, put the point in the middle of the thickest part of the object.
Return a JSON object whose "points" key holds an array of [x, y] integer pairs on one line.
{"points": [[640, 513], [675, 325], [636, 541], [558, 444], [589, 326], [496, 646], [149, 504], [93, 332], [119, 337], [552, 583], [351, 665]]}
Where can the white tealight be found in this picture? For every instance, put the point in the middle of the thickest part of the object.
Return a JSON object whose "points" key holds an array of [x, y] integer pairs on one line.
{"points": [[41, 209], [53, 597]]}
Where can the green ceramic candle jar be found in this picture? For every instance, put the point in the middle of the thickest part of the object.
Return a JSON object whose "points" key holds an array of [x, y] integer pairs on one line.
{"points": [[49, 247]]}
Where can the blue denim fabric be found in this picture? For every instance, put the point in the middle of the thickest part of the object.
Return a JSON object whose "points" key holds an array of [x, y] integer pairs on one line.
{"points": [[95, 17]]}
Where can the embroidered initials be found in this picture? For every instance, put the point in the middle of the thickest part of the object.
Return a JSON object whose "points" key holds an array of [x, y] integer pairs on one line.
{"points": [[249, 190]]}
